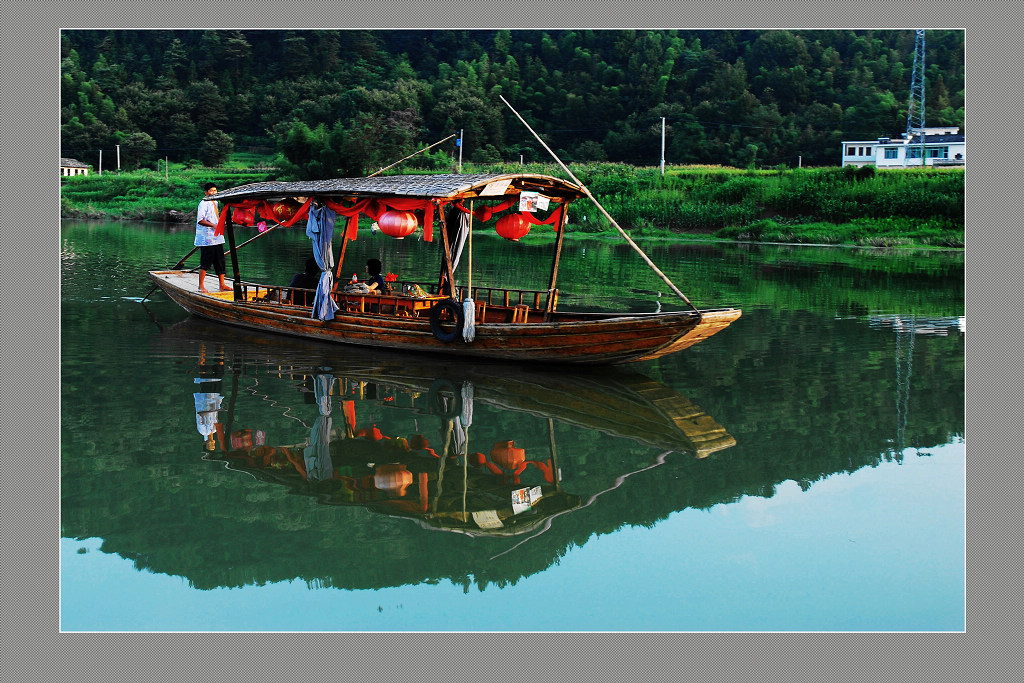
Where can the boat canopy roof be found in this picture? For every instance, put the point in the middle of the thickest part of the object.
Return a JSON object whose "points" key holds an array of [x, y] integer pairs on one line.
{"points": [[450, 186]]}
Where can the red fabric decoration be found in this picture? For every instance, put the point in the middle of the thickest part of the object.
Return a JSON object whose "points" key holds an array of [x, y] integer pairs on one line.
{"points": [[485, 213], [267, 210], [374, 208]]}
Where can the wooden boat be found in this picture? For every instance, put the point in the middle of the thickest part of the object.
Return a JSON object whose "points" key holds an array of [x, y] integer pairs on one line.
{"points": [[465, 321]]}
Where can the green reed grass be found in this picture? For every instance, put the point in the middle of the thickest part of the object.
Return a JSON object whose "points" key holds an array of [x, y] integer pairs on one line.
{"points": [[862, 206]]}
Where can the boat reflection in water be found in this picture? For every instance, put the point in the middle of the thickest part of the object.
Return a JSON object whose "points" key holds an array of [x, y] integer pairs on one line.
{"points": [[398, 438]]}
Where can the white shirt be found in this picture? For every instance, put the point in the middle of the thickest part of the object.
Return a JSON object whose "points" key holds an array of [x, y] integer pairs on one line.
{"points": [[207, 407], [204, 234]]}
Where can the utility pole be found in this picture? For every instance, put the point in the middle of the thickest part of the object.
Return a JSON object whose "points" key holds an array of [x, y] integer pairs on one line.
{"points": [[101, 162], [915, 107], [460, 149], [800, 161], [662, 145], [118, 158], [167, 170]]}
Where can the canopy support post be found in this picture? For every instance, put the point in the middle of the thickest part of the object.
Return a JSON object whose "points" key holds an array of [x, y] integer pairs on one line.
{"points": [[341, 257], [229, 227], [447, 257], [469, 261], [550, 307]]}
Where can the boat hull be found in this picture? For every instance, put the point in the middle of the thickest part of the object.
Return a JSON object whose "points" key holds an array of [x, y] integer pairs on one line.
{"points": [[594, 339]]}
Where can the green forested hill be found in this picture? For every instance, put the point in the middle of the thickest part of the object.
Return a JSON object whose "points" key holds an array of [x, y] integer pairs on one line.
{"points": [[348, 101]]}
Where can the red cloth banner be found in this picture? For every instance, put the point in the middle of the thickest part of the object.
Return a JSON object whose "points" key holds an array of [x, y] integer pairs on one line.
{"points": [[373, 208], [485, 213], [267, 210]]}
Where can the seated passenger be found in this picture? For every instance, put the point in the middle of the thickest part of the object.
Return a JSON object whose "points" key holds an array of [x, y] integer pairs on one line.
{"points": [[376, 281], [309, 279]]}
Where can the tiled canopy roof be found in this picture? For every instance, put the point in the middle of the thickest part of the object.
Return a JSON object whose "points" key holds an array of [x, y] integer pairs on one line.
{"points": [[442, 186], [72, 163]]}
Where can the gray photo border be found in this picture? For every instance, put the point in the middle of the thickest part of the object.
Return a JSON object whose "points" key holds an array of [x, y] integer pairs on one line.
{"points": [[35, 649]]}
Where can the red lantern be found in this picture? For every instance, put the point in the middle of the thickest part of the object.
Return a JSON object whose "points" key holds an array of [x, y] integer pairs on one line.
{"points": [[512, 226], [394, 478], [506, 456], [285, 209], [397, 224], [244, 216]]}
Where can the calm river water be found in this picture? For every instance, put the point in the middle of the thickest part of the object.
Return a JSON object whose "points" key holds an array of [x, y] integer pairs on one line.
{"points": [[801, 470]]}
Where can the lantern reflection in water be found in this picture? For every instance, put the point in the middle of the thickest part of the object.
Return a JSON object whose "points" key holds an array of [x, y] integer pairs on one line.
{"points": [[393, 478]]}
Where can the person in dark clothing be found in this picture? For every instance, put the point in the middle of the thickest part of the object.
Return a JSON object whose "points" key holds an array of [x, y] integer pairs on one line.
{"points": [[376, 281], [309, 279]]}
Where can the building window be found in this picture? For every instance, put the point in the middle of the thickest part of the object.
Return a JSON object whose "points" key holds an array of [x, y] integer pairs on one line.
{"points": [[913, 152], [892, 153], [938, 153], [867, 151], [851, 151]]}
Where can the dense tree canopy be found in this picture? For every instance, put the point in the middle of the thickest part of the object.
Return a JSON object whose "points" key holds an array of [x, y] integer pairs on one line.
{"points": [[365, 98]]}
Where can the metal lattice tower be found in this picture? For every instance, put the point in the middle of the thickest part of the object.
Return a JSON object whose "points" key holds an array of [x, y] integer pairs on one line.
{"points": [[915, 108]]}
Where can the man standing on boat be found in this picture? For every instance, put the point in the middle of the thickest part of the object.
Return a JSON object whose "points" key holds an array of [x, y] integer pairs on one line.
{"points": [[211, 246]]}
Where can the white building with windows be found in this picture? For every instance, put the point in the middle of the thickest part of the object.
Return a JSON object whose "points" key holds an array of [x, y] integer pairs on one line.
{"points": [[73, 167], [943, 146]]}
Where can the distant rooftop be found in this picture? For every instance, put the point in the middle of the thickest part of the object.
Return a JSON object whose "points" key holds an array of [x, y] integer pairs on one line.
{"points": [[938, 138]]}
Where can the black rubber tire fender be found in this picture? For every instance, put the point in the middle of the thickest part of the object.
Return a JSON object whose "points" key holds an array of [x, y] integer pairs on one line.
{"points": [[436, 311]]}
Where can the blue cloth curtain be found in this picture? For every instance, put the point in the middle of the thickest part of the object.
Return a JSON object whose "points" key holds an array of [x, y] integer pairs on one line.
{"points": [[320, 230]]}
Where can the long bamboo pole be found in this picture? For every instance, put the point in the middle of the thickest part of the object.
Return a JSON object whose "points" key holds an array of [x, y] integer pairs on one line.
{"points": [[602, 209], [410, 156], [257, 236]]}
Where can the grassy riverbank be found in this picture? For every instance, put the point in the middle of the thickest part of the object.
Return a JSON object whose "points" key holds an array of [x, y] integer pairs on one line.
{"points": [[820, 206]]}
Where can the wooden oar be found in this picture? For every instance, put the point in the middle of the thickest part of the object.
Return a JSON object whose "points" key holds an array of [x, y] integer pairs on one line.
{"points": [[602, 209], [184, 258], [179, 264], [251, 239]]}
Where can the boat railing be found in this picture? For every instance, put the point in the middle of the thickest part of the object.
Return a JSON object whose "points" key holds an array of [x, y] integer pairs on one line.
{"points": [[537, 300], [499, 296]]}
